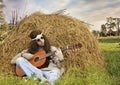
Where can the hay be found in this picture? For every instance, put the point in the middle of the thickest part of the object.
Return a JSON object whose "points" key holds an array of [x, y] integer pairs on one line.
{"points": [[61, 30]]}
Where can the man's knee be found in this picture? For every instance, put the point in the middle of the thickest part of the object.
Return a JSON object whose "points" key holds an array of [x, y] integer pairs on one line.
{"points": [[55, 74], [19, 60]]}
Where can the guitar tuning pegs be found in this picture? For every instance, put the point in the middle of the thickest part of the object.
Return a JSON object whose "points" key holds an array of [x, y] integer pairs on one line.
{"points": [[79, 44]]}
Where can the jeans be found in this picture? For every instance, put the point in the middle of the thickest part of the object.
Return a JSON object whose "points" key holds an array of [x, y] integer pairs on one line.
{"points": [[29, 69]]}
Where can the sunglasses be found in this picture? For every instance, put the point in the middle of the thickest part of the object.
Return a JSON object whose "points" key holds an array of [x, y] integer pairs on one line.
{"points": [[39, 39]]}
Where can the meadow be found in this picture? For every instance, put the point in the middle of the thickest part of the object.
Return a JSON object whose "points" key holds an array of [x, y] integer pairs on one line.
{"points": [[92, 75]]}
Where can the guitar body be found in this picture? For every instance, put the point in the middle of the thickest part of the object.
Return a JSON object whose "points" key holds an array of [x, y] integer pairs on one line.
{"points": [[40, 62], [34, 61]]}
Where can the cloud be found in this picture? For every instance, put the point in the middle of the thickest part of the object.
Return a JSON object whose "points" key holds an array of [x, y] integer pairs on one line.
{"points": [[94, 12], [98, 17], [106, 12], [47, 6], [11, 5], [86, 7], [29, 6], [91, 11]]}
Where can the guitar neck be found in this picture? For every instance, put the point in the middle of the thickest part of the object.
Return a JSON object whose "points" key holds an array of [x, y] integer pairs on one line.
{"points": [[62, 49]]}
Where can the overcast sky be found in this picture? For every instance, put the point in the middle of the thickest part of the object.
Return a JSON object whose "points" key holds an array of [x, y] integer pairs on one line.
{"points": [[90, 11]]}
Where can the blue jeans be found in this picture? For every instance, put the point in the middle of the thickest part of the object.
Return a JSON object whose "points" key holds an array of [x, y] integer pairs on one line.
{"points": [[29, 69]]}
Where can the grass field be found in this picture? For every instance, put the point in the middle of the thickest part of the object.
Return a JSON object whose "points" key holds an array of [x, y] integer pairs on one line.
{"points": [[111, 49], [93, 75]]}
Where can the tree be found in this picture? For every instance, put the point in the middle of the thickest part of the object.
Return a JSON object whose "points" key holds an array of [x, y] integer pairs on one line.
{"points": [[95, 33], [103, 30], [117, 21], [14, 19], [113, 23], [2, 20]]}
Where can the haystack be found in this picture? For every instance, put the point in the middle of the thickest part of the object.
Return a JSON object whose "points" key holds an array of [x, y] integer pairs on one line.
{"points": [[61, 30]]}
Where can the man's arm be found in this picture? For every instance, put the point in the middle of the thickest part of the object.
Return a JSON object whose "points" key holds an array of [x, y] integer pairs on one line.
{"points": [[13, 61], [24, 54], [58, 57]]}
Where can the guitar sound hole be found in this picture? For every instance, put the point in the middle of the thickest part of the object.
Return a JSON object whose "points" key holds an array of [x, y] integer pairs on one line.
{"points": [[36, 59]]}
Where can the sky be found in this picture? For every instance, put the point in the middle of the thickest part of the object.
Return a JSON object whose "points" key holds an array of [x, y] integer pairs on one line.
{"points": [[93, 12]]}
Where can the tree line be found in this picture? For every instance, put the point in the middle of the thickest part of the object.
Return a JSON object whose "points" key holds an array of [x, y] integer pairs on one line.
{"points": [[110, 28]]}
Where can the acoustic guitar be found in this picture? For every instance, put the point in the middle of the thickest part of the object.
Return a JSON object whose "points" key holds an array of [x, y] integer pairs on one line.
{"points": [[40, 57]]}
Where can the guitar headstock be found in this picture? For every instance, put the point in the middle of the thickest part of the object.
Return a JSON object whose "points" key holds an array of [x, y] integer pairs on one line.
{"points": [[76, 45]]}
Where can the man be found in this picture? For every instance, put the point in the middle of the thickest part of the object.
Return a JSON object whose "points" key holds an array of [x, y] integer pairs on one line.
{"points": [[48, 71]]}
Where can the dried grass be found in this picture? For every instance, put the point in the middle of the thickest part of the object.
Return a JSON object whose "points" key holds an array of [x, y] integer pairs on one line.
{"points": [[61, 30]]}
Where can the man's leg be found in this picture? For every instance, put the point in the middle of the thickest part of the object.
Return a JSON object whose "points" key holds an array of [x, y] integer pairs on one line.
{"points": [[52, 75], [28, 68]]}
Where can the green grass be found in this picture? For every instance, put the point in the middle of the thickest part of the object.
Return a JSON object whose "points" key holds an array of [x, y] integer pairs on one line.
{"points": [[13, 80], [111, 51], [92, 75], [109, 39], [74, 76]]}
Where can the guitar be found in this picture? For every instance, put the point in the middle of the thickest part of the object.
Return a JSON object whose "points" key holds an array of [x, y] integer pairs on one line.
{"points": [[40, 57]]}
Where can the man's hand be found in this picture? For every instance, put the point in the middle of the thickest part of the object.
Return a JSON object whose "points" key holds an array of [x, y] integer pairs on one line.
{"points": [[58, 55], [27, 55]]}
